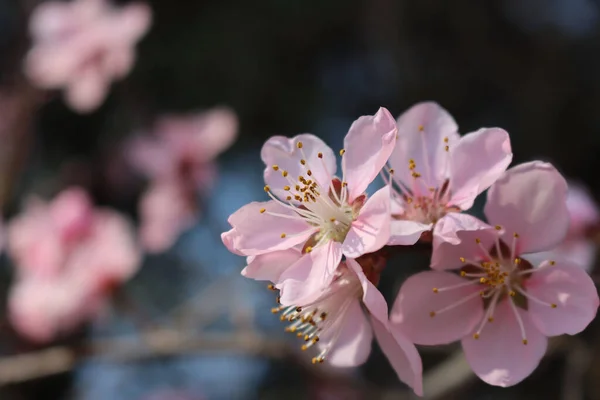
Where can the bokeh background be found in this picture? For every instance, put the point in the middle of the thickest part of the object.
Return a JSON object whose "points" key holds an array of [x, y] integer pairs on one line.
{"points": [[285, 67]]}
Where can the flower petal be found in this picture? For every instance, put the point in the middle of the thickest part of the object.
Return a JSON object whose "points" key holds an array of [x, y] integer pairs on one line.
{"points": [[499, 356], [530, 200], [405, 232], [353, 345], [304, 281], [87, 91], [476, 162], [416, 300], [371, 230], [580, 252], [257, 233], [401, 353], [270, 266], [421, 137], [368, 145], [455, 236], [571, 289], [284, 153]]}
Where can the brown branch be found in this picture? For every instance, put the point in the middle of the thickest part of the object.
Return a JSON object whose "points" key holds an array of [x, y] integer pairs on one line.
{"points": [[156, 343]]}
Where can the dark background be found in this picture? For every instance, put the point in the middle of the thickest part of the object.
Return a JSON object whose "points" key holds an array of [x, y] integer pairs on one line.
{"points": [[531, 67]]}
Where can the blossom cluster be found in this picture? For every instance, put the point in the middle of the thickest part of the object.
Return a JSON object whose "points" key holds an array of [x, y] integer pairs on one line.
{"points": [[321, 240]]}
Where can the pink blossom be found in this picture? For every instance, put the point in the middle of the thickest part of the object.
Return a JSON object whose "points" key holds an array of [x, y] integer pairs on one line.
{"points": [[312, 210], [68, 257], [501, 306], [435, 171], [333, 320], [178, 160], [584, 217], [83, 45]]}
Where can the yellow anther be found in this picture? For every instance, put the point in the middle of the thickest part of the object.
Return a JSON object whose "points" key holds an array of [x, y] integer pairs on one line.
{"points": [[299, 334], [304, 347], [303, 162], [482, 293], [306, 338], [342, 151], [344, 184], [286, 187], [552, 262], [309, 172], [553, 305], [512, 293], [299, 145], [320, 155], [432, 314], [391, 171], [421, 128], [278, 299], [435, 290], [462, 259], [476, 336], [477, 240], [490, 319], [516, 235], [498, 227], [275, 167], [288, 198], [517, 261], [283, 235], [262, 210], [267, 188], [446, 148], [524, 341], [416, 175], [323, 315], [332, 219], [446, 139], [270, 286], [315, 339], [308, 249], [463, 273], [482, 280], [284, 173]]}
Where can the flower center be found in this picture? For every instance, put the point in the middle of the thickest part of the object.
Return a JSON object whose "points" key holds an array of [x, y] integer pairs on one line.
{"points": [[327, 208], [500, 273], [325, 316]]}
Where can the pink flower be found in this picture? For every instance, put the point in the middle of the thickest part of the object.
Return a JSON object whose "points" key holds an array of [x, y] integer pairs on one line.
{"points": [[333, 320], [436, 172], [82, 46], [178, 160], [68, 257], [501, 306], [313, 210], [578, 246]]}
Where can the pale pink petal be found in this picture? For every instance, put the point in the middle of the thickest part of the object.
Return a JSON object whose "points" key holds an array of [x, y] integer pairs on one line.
{"points": [[254, 232], [353, 345], [87, 91], [422, 131], [131, 22], [150, 157], [455, 236], [583, 210], [165, 212], [49, 19], [476, 162], [368, 145], [401, 353], [499, 356], [405, 232], [573, 292], [305, 280], [580, 252], [530, 200], [371, 230], [118, 63], [51, 68], [216, 132], [416, 300], [270, 266], [284, 153], [72, 213]]}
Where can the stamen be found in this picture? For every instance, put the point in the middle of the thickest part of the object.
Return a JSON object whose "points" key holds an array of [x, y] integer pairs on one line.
{"points": [[454, 305], [457, 286], [485, 251], [535, 299], [513, 247], [518, 318]]}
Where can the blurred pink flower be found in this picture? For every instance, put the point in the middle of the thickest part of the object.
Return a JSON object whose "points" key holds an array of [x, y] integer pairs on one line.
{"points": [[68, 256], [501, 306], [436, 171], [172, 394], [178, 159], [340, 321], [584, 217], [311, 208], [83, 45]]}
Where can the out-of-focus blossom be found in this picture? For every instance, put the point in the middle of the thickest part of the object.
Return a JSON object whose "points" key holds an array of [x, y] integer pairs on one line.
{"points": [[501, 306], [335, 321], [312, 209], [172, 395], [436, 172], [82, 46], [178, 159], [69, 256], [579, 246]]}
